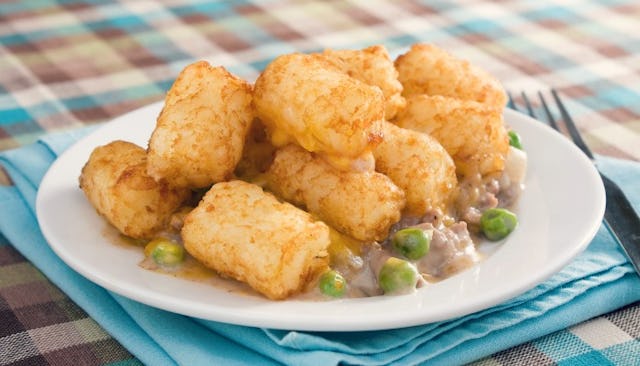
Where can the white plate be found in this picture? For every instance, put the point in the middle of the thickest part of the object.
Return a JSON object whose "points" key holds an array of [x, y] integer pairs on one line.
{"points": [[559, 213]]}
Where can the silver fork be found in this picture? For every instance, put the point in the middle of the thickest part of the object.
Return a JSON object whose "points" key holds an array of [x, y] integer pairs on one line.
{"points": [[619, 216]]}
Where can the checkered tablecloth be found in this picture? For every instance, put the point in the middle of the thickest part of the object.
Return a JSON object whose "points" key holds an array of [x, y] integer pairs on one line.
{"points": [[68, 64]]}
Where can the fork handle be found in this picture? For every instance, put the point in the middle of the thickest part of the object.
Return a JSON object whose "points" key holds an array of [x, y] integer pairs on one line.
{"points": [[623, 221]]}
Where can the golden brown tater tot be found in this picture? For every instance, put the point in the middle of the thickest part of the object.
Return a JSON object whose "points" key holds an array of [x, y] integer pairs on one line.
{"points": [[472, 133], [362, 205], [200, 132], [304, 99], [428, 69], [116, 183], [245, 233], [417, 163]]}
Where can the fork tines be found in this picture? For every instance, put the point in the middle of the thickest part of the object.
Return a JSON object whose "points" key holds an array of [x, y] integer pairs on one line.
{"points": [[568, 122]]}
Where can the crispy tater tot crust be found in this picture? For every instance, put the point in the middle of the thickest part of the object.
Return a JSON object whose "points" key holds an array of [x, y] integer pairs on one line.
{"points": [[472, 133], [245, 233], [362, 205], [200, 132], [115, 181], [373, 66], [305, 99], [428, 69], [418, 164]]}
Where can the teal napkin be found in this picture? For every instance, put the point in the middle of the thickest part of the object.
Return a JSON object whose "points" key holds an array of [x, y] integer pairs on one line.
{"points": [[598, 281]]}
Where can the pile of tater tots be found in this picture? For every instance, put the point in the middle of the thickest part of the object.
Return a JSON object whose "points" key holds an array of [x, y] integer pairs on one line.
{"points": [[327, 153]]}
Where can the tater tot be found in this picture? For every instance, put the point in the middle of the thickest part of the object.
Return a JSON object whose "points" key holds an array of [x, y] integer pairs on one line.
{"points": [[200, 132], [472, 133], [373, 66], [244, 233], [362, 205], [305, 99], [427, 69], [115, 181], [420, 166]]}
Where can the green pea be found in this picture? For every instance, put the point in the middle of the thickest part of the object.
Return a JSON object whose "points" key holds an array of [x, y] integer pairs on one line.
{"points": [[397, 276], [165, 252], [497, 223], [412, 242], [514, 139], [333, 284]]}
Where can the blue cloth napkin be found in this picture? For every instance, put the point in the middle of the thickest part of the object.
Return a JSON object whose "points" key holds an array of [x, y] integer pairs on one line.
{"points": [[597, 281]]}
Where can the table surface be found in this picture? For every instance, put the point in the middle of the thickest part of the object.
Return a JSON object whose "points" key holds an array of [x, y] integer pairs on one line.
{"points": [[68, 64]]}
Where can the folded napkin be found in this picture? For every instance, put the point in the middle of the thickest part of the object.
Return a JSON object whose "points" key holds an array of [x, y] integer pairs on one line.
{"points": [[598, 281]]}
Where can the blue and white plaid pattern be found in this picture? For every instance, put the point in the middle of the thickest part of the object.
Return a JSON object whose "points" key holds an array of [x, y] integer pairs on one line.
{"points": [[66, 64]]}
